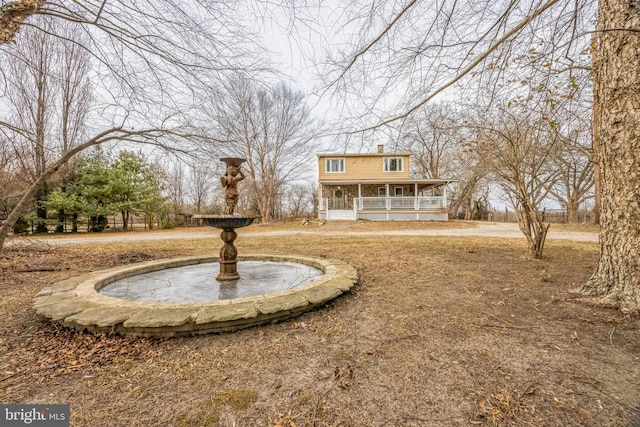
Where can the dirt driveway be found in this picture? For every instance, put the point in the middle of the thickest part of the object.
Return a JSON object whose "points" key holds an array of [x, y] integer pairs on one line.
{"points": [[453, 228]]}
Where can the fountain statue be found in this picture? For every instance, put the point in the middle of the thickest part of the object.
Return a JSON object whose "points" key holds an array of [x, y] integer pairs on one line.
{"points": [[229, 221], [230, 182]]}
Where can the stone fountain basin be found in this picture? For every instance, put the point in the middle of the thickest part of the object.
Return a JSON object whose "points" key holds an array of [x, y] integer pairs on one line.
{"points": [[76, 302]]}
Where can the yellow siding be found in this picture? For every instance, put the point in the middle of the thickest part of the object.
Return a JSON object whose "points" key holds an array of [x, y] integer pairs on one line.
{"points": [[362, 167]]}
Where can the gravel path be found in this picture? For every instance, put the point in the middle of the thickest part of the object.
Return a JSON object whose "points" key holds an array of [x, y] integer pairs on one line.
{"points": [[482, 229]]}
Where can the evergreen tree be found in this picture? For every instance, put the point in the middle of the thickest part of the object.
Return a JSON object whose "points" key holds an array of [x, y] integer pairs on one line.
{"points": [[126, 185]]}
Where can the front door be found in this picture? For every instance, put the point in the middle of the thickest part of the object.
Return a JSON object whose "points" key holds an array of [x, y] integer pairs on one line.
{"points": [[338, 199]]}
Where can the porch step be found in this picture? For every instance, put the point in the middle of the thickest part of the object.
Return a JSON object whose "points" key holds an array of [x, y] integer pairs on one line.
{"points": [[341, 215]]}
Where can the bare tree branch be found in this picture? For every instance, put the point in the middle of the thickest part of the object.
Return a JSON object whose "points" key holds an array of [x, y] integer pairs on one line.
{"points": [[508, 35]]}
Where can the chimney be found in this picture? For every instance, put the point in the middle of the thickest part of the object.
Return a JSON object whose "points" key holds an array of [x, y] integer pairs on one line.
{"points": [[380, 148]]}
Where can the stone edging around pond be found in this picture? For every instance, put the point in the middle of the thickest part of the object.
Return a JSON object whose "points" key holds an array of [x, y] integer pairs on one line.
{"points": [[76, 303]]}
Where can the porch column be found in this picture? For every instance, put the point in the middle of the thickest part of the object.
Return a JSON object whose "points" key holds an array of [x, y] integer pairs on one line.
{"points": [[359, 196], [319, 201], [388, 200], [444, 197], [416, 202]]}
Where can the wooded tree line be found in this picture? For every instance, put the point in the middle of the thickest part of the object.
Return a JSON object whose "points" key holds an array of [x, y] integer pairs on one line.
{"points": [[63, 96], [523, 69], [97, 186]]}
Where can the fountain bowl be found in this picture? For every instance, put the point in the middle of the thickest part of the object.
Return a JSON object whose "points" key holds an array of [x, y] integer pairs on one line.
{"points": [[228, 222], [233, 161]]}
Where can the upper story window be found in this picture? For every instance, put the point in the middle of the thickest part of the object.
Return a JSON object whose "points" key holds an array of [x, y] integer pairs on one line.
{"points": [[393, 164], [334, 165]]}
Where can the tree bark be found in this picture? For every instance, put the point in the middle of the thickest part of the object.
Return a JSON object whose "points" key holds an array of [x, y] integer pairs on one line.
{"points": [[13, 14], [532, 225], [573, 208], [61, 221], [596, 143], [617, 278], [125, 220]]}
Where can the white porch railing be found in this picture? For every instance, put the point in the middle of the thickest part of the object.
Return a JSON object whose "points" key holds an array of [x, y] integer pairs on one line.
{"points": [[432, 202], [391, 203], [324, 202]]}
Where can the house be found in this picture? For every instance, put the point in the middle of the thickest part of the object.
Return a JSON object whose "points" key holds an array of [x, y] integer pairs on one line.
{"points": [[377, 186]]}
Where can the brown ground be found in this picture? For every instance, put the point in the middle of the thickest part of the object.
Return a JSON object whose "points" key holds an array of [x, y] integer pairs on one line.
{"points": [[439, 332]]}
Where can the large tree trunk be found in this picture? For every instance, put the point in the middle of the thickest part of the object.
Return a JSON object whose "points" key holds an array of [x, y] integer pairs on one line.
{"points": [[573, 209], [596, 144], [617, 278]]}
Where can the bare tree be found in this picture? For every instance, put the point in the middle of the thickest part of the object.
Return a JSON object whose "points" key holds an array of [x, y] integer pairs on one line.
{"points": [[407, 54], [75, 99], [75, 91], [175, 187], [433, 135], [517, 147], [299, 200], [271, 128], [200, 185], [159, 35], [49, 94], [438, 136], [573, 170], [568, 102], [312, 190], [30, 93], [10, 179], [469, 185]]}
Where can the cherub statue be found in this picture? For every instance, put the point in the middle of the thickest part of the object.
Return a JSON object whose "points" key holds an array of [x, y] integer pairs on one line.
{"points": [[230, 184]]}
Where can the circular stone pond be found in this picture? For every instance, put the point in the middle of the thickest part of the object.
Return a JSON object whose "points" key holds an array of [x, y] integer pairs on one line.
{"points": [[303, 284]]}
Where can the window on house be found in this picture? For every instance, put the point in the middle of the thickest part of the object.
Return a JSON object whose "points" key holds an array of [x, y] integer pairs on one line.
{"points": [[382, 191], [393, 164], [334, 165], [398, 191]]}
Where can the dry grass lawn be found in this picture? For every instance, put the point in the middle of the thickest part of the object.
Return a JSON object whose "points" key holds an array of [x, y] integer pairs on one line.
{"points": [[438, 332]]}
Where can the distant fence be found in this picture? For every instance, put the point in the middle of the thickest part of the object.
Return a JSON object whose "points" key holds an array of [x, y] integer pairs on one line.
{"points": [[113, 223], [556, 216]]}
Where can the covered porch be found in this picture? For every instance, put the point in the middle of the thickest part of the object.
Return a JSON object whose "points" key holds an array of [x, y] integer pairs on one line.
{"points": [[384, 200]]}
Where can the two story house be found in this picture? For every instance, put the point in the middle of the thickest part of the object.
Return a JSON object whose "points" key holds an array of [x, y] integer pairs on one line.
{"points": [[377, 186]]}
